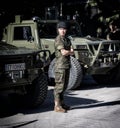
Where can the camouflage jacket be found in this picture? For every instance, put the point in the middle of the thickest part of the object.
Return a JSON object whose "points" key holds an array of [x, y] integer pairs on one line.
{"points": [[62, 61]]}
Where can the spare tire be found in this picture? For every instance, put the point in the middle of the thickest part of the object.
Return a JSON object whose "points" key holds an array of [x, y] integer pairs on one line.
{"points": [[76, 74]]}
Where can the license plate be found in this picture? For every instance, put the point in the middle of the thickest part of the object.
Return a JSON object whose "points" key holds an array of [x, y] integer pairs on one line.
{"points": [[18, 66]]}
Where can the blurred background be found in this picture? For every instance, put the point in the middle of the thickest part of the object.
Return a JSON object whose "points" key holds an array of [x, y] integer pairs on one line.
{"points": [[92, 15]]}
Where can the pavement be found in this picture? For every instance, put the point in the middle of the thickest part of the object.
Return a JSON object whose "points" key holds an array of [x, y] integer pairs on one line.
{"points": [[93, 106]]}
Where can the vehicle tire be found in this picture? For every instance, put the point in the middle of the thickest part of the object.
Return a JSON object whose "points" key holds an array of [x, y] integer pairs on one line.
{"points": [[76, 74], [37, 91]]}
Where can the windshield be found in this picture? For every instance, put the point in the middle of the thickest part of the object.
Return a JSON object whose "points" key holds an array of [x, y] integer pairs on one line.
{"points": [[48, 30]]}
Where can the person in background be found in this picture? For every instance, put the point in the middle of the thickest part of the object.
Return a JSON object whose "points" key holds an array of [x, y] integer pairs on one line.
{"points": [[114, 33], [63, 51]]}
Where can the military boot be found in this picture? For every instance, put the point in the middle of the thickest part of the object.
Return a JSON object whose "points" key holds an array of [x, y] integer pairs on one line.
{"points": [[65, 106], [58, 107]]}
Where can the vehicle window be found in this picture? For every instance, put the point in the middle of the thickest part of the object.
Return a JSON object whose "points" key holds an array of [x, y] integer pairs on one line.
{"points": [[47, 30], [22, 33]]}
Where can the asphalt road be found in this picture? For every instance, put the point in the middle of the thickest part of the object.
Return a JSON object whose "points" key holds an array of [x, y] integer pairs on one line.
{"points": [[93, 106]]}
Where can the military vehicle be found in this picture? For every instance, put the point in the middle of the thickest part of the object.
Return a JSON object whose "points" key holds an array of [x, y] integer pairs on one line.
{"points": [[28, 34], [21, 74], [99, 58]]}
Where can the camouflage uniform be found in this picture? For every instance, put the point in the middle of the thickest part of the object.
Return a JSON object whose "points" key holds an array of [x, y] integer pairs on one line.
{"points": [[62, 67]]}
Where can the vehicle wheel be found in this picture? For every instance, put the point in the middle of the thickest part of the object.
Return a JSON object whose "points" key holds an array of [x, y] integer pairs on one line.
{"points": [[37, 92], [76, 74]]}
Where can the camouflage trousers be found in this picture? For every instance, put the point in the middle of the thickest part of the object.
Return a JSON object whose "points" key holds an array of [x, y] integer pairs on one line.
{"points": [[61, 82]]}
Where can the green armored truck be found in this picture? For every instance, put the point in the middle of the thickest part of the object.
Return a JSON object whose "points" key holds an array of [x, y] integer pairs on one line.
{"points": [[21, 74], [99, 58]]}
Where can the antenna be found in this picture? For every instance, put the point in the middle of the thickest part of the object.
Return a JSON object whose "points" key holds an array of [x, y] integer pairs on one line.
{"points": [[61, 10]]}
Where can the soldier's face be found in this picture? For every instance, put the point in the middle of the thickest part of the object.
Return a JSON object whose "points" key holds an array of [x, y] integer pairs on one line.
{"points": [[62, 31]]}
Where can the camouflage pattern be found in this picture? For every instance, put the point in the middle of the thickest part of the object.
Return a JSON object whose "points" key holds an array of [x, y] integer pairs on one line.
{"points": [[62, 61], [62, 66], [61, 80]]}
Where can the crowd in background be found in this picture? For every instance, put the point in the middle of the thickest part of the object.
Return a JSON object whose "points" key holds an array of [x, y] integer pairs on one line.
{"points": [[109, 30]]}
